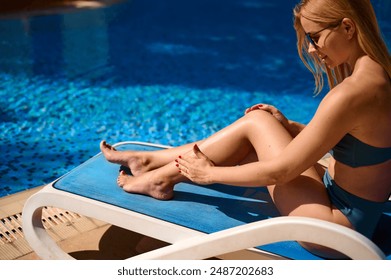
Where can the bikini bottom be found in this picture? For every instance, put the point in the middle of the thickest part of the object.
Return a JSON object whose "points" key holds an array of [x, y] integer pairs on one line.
{"points": [[363, 214]]}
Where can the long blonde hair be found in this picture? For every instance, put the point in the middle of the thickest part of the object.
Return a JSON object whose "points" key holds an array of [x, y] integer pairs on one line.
{"points": [[329, 12]]}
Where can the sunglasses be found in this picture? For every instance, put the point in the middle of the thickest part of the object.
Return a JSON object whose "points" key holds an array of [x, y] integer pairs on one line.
{"points": [[309, 35]]}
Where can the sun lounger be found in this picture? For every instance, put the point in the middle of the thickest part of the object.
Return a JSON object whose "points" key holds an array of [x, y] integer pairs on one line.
{"points": [[217, 220]]}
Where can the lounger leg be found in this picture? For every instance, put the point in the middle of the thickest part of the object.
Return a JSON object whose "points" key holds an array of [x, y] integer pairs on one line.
{"points": [[36, 234]]}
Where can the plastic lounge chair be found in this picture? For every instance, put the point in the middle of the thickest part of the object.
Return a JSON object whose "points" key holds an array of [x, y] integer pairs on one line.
{"points": [[217, 220]]}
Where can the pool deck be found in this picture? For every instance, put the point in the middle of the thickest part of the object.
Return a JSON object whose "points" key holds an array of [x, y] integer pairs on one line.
{"points": [[82, 237]]}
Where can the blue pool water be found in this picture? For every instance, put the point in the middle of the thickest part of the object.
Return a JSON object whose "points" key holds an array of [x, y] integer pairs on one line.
{"points": [[158, 71]]}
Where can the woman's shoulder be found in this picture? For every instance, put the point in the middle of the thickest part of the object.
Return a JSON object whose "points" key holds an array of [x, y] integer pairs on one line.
{"points": [[368, 83], [370, 74], [362, 99], [358, 99]]}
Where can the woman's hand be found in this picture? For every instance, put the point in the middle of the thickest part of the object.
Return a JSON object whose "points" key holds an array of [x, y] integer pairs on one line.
{"points": [[196, 167], [272, 110], [294, 128]]}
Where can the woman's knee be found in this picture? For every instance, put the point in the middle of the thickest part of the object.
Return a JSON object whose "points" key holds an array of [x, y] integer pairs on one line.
{"points": [[263, 119], [259, 114], [265, 133]]}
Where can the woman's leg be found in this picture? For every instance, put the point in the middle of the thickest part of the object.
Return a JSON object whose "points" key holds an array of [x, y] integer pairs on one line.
{"points": [[142, 161], [257, 133], [229, 146]]}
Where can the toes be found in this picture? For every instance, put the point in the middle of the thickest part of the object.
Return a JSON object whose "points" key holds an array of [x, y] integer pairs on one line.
{"points": [[105, 145], [120, 179], [102, 144], [110, 147]]}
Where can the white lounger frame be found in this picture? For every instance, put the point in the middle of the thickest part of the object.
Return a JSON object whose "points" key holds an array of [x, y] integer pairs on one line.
{"points": [[188, 243]]}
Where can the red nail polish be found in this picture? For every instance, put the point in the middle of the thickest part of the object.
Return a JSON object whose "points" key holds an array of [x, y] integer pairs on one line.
{"points": [[177, 165], [180, 157]]}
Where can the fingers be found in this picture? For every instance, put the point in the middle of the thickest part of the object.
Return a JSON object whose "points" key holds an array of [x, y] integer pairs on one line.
{"points": [[271, 109], [254, 107], [197, 168], [182, 166], [193, 171], [185, 164], [192, 163], [265, 107]]}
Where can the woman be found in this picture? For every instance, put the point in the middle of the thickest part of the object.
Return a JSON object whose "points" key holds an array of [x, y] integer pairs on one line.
{"points": [[263, 148]]}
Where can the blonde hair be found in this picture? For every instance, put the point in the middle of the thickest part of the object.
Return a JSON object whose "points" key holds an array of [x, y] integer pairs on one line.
{"points": [[330, 12]]}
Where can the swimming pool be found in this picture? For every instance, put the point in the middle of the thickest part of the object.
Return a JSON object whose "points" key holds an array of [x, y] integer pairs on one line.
{"points": [[166, 72]]}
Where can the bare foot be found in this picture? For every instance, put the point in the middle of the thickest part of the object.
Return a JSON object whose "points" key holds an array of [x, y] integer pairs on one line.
{"points": [[126, 158], [146, 184]]}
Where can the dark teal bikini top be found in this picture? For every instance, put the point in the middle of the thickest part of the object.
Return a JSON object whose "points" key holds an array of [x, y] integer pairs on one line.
{"points": [[354, 153]]}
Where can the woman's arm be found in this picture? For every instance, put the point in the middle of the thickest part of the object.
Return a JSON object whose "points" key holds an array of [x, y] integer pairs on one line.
{"points": [[294, 128], [201, 170], [334, 118]]}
